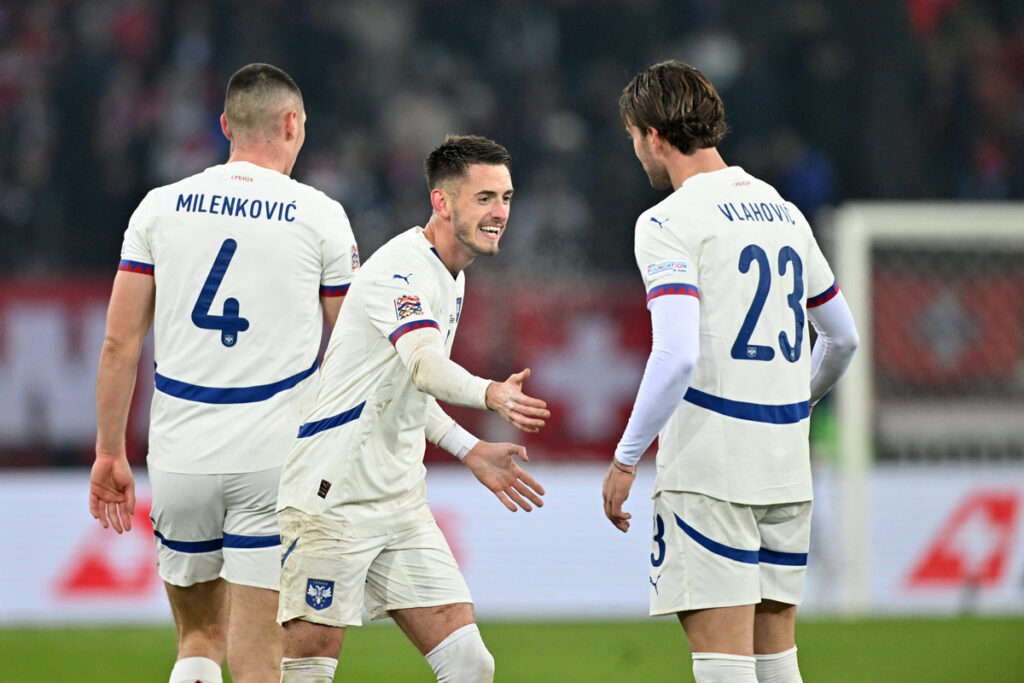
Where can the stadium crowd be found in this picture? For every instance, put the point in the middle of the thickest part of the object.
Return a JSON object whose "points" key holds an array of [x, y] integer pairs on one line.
{"points": [[101, 100]]}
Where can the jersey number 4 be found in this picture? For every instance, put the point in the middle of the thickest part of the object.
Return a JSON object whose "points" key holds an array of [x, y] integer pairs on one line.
{"points": [[742, 349], [229, 323]]}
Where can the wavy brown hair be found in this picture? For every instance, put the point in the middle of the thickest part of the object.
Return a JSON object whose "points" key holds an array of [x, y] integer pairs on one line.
{"points": [[679, 102]]}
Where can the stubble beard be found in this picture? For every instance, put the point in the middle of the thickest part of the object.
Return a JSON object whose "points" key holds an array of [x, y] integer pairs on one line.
{"points": [[466, 234]]}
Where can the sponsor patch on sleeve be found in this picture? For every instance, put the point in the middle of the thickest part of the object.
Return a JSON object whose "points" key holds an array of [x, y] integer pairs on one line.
{"points": [[408, 305], [666, 267], [355, 258]]}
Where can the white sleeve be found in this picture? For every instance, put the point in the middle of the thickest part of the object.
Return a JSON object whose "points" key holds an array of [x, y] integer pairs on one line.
{"points": [[432, 372], [675, 321], [444, 432], [834, 347]]}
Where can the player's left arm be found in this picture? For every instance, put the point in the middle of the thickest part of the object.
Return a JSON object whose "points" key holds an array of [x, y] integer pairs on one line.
{"points": [[836, 343], [675, 321], [111, 485], [493, 464], [331, 306], [341, 261]]}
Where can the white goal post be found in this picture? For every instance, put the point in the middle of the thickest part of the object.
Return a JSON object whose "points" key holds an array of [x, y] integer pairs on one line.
{"points": [[856, 230]]}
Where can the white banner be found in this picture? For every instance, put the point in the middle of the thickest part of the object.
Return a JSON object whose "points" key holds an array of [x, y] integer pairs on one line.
{"points": [[944, 540]]}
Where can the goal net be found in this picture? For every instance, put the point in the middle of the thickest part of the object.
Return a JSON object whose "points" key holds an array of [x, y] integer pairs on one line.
{"points": [[937, 385]]}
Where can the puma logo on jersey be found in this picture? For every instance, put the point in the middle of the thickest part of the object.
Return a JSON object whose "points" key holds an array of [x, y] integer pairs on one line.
{"points": [[661, 224], [654, 582], [396, 276]]}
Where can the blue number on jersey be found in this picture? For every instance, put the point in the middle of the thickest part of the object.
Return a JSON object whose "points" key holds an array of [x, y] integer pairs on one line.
{"points": [[659, 538], [742, 349], [230, 323]]}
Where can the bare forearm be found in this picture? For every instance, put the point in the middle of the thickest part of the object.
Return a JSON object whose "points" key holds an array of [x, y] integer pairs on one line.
{"points": [[115, 384]]}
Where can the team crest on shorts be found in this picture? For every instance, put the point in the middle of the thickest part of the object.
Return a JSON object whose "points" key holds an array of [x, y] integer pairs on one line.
{"points": [[408, 305], [319, 593]]}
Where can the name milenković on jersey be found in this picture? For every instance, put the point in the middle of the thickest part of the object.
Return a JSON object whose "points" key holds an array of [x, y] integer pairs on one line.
{"points": [[364, 441], [729, 239], [240, 255]]}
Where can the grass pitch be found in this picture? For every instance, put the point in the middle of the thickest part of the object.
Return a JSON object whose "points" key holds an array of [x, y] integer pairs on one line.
{"points": [[876, 650]]}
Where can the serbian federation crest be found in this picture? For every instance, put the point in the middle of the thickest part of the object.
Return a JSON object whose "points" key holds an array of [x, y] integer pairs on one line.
{"points": [[408, 305], [319, 593]]}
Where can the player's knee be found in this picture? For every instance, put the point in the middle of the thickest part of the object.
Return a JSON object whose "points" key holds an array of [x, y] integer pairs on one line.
{"points": [[462, 657], [715, 667], [308, 670]]}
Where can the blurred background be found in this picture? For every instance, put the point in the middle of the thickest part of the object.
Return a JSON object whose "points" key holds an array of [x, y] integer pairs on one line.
{"points": [[906, 117]]}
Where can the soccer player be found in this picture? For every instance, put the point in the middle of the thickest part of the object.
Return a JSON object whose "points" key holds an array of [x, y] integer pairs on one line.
{"points": [[354, 519], [235, 268], [732, 273]]}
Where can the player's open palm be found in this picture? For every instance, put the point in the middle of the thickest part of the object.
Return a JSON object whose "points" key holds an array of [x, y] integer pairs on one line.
{"points": [[494, 465], [112, 492], [508, 400]]}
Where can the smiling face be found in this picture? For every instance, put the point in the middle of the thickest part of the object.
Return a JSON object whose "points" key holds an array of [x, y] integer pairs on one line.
{"points": [[657, 173], [480, 206]]}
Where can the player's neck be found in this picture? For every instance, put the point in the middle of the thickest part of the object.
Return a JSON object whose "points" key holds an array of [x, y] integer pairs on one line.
{"points": [[261, 157], [684, 166], [447, 247]]}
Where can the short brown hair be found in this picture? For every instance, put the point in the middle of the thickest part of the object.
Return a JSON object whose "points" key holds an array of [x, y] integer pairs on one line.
{"points": [[679, 102], [255, 94], [457, 153]]}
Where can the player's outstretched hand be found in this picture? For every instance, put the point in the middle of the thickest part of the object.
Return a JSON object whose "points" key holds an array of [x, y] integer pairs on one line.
{"points": [[508, 400], [112, 492], [495, 466], [618, 480]]}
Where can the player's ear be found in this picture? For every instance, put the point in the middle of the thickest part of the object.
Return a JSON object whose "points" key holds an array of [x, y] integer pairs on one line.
{"points": [[224, 128], [291, 125], [440, 202], [654, 137]]}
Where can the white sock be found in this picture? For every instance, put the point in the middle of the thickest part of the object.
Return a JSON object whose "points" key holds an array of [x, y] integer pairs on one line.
{"points": [[715, 667], [308, 669], [462, 657], [780, 667], [196, 670]]}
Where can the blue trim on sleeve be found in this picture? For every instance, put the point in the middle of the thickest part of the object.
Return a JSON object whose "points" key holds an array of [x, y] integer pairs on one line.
{"points": [[662, 290], [409, 327], [334, 290], [135, 267], [201, 394], [824, 296], [311, 428], [755, 412]]}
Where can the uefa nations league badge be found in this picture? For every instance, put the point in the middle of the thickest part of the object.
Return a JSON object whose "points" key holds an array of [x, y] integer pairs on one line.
{"points": [[319, 593]]}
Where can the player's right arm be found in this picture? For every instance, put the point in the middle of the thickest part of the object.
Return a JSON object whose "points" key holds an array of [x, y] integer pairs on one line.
{"points": [[111, 485], [432, 372]]}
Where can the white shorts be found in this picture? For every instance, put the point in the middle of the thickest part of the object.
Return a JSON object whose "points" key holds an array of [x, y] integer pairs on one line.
{"points": [[326, 575], [711, 553], [217, 525]]}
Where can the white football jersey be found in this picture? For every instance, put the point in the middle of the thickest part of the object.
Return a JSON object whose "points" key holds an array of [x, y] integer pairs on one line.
{"points": [[240, 255], [741, 431], [359, 453]]}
